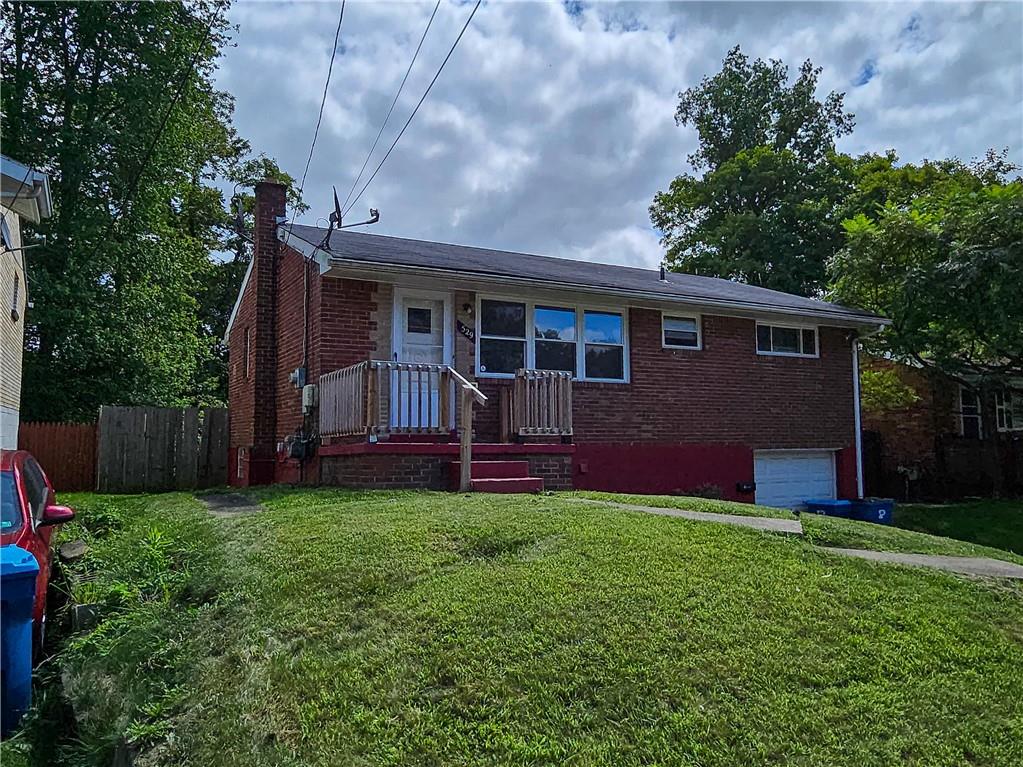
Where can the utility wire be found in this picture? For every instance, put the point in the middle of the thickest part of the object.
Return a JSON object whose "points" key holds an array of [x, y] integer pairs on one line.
{"points": [[407, 122], [389, 111], [319, 117], [133, 187], [323, 100]]}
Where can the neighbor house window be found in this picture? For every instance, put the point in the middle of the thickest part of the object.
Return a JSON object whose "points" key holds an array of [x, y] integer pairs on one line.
{"points": [[554, 338], [786, 340], [502, 336], [1009, 410], [680, 332], [969, 413], [604, 334], [589, 343]]}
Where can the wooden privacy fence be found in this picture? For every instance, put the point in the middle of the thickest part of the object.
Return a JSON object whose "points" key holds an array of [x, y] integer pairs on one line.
{"points": [[150, 449], [66, 451]]}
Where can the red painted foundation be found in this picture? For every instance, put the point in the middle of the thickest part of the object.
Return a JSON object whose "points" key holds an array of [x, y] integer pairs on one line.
{"points": [[664, 469]]}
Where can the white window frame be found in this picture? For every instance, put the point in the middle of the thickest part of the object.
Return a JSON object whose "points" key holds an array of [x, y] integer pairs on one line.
{"points": [[580, 310], [790, 326], [1004, 407], [697, 318], [977, 415]]}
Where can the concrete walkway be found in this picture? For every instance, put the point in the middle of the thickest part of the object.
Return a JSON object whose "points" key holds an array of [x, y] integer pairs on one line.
{"points": [[757, 523], [227, 505], [994, 568]]}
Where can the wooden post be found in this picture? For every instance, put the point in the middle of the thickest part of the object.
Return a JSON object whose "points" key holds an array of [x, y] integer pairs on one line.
{"points": [[465, 440]]}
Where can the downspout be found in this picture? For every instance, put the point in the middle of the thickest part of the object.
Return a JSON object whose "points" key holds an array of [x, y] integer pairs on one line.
{"points": [[857, 420], [856, 416]]}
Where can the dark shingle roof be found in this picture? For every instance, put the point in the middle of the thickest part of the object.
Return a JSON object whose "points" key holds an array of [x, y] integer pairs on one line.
{"points": [[484, 264]]}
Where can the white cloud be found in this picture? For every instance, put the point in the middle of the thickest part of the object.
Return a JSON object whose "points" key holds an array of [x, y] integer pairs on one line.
{"points": [[550, 132]]}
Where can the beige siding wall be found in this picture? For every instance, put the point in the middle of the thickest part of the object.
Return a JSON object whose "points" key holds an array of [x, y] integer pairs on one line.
{"points": [[12, 331]]}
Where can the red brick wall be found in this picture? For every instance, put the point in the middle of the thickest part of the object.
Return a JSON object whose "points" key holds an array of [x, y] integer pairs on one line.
{"points": [[252, 399], [723, 393]]}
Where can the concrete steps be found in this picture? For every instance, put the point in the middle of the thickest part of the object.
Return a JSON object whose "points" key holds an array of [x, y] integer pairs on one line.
{"points": [[508, 485], [498, 477]]}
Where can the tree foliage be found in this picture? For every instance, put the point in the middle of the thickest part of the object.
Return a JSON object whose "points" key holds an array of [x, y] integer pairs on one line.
{"points": [[123, 311], [767, 208], [946, 268], [882, 390]]}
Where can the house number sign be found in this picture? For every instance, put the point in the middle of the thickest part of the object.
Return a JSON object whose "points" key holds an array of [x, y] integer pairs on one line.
{"points": [[466, 331]]}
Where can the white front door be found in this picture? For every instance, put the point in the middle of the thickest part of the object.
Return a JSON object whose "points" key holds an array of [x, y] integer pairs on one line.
{"points": [[787, 478], [420, 338]]}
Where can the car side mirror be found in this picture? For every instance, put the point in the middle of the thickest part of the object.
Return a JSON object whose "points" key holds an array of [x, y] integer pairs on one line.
{"points": [[56, 515]]}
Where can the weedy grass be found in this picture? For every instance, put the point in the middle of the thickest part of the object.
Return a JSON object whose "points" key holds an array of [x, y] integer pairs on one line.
{"points": [[433, 628]]}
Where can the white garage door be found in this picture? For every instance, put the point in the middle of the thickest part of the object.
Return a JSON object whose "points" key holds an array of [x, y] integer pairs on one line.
{"points": [[786, 479]]}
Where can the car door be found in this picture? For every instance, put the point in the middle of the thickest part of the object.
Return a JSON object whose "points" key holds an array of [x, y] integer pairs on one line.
{"points": [[38, 494]]}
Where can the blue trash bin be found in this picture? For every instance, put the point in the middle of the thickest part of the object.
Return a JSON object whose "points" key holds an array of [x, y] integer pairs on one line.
{"points": [[18, 570], [829, 507], [877, 510]]}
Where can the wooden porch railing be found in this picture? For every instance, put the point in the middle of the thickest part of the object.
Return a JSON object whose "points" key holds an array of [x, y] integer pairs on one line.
{"points": [[383, 397], [541, 403]]}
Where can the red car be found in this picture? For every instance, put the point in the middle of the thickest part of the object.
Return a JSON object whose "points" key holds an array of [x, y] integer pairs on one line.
{"points": [[28, 514]]}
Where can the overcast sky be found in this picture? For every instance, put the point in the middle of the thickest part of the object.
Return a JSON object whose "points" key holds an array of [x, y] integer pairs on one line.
{"points": [[552, 126]]}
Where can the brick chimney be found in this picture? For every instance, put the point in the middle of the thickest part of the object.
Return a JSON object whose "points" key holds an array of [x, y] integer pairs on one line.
{"points": [[253, 350]]}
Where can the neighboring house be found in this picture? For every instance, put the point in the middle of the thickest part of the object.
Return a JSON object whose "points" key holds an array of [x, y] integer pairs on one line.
{"points": [[24, 195], [938, 447], [675, 383]]}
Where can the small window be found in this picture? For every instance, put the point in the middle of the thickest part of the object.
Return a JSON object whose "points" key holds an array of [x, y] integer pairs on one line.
{"points": [[554, 338], [246, 361], [502, 337], [419, 320], [680, 332], [5, 234], [969, 413], [786, 340], [604, 335]]}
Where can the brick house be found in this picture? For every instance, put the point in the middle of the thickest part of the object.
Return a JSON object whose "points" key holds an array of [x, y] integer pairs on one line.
{"points": [[938, 446], [351, 355]]}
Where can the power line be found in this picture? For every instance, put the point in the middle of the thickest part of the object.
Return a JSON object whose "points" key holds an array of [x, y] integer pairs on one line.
{"points": [[323, 100], [319, 117], [133, 187], [395, 101], [407, 122]]}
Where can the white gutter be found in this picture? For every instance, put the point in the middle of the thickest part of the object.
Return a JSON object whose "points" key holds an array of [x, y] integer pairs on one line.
{"points": [[694, 300], [850, 320], [856, 416]]}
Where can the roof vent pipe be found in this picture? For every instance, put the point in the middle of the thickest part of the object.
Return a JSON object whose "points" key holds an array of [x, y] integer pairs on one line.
{"points": [[664, 275]]}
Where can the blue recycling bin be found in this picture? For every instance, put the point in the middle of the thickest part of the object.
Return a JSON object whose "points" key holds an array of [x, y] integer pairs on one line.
{"points": [[18, 571], [878, 510], [829, 507]]}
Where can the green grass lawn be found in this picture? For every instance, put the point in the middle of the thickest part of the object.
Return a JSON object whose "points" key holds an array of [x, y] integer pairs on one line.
{"points": [[997, 524], [340, 628]]}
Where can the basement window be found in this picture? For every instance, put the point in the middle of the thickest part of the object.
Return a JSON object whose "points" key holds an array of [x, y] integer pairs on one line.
{"points": [[786, 340]]}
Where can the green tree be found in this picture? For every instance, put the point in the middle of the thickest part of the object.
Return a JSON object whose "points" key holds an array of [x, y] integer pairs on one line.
{"points": [[767, 208], [946, 268], [119, 287]]}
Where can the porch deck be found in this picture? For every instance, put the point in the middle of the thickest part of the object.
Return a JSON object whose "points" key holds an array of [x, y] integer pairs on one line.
{"points": [[404, 417]]}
